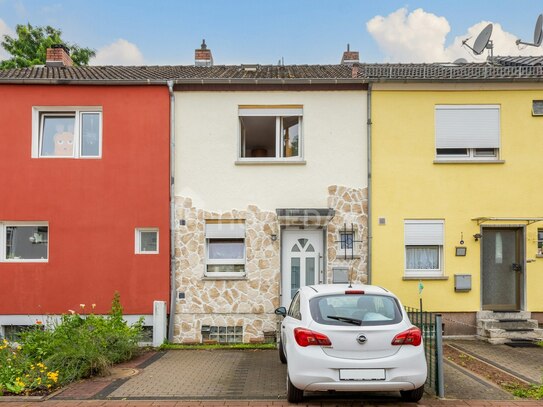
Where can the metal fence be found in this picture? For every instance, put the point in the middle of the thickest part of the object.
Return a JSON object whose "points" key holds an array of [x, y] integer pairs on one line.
{"points": [[432, 333]]}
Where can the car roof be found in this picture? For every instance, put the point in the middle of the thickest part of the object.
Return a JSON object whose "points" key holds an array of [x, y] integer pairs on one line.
{"points": [[327, 289]]}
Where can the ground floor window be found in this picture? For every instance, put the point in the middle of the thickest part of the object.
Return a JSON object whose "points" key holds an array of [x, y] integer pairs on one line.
{"points": [[225, 248], [24, 241], [423, 248]]}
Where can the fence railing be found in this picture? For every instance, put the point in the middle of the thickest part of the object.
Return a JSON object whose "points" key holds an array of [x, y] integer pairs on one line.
{"points": [[432, 333]]}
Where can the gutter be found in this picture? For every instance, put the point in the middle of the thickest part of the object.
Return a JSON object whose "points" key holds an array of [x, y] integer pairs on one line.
{"points": [[100, 82], [370, 230], [173, 290]]}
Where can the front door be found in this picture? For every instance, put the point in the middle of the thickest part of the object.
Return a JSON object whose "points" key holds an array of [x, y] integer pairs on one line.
{"points": [[503, 266], [301, 261]]}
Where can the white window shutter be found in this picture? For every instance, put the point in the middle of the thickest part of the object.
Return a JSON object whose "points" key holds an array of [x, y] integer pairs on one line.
{"points": [[423, 232], [270, 112], [225, 230], [467, 126]]}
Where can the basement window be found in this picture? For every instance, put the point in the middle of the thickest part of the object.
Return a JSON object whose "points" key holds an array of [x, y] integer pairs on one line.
{"points": [[270, 133], [222, 334]]}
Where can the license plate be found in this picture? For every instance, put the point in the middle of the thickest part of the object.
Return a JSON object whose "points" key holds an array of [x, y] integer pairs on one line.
{"points": [[362, 374]]}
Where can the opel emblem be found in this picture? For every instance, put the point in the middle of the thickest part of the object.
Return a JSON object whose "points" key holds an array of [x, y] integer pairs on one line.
{"points": [[361, 339]]}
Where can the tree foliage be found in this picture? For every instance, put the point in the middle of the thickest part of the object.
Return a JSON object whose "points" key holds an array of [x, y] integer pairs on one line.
{"points": [[29, 47]]}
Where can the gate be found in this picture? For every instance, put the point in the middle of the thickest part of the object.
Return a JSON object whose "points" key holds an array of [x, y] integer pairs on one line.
{"points": [[432, 334]]}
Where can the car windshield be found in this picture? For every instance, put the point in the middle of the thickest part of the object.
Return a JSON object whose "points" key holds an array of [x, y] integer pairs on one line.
{"points": [[355, 309]]}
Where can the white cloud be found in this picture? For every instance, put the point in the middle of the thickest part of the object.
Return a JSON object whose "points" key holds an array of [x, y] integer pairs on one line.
{"points": [[415, 37], [120, 52], [420, 37], [4, 30]]}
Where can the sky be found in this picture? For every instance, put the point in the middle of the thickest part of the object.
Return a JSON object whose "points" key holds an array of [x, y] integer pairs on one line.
{"points": [[166, 32]]}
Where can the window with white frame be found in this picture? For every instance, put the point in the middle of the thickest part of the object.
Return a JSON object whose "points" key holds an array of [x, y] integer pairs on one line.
{"points": [[24, 241], [423, 248], [146, 241], [225, 248], [467, 132], [63, 132], [270, 132]]}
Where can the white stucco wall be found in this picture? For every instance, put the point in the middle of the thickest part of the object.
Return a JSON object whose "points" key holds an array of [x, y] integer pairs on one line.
{"points": [[207, 131]]}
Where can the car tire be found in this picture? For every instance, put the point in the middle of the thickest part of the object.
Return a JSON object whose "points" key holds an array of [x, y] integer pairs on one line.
{"points": [[412, 395], [282, 356], [294, 394]]}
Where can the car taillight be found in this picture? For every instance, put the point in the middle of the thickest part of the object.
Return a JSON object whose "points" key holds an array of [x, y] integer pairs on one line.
{"points": [[412, 336], [305, 337]]}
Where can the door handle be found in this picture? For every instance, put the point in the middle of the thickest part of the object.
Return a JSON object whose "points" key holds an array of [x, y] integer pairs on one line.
{"points": [[321, 276], [516, 267]]}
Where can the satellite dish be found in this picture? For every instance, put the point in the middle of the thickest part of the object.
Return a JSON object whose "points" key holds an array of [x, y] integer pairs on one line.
{"points": [[538, 34], [482, 41], [460, 61]]}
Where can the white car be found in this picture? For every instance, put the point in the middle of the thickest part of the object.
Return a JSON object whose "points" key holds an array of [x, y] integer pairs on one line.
{"points": [[339, 337]]}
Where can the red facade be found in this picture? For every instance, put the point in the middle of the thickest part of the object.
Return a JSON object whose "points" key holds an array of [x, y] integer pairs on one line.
{"points": [[92, 205]]}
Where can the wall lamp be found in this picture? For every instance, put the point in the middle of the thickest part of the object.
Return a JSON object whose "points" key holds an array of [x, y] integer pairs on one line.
{"points": [[477, 236], [273, 237]]}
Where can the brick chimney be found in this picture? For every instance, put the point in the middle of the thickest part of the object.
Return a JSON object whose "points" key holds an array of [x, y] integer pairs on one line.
{"points": [[349, 57], [202, 56], [58, 55]]}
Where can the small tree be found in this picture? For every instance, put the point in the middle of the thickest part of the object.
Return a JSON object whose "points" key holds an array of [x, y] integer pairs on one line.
{"points": [[29, 47]]}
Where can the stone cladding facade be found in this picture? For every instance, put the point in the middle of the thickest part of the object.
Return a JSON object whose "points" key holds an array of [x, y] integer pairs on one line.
{"points": [[250, 301]]}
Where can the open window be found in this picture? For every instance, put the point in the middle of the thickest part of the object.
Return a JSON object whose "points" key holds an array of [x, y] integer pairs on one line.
{"points": [[270, 133]]}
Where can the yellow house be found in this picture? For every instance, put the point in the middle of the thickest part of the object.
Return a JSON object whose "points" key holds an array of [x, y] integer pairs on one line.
{"points": [[456, 204]]}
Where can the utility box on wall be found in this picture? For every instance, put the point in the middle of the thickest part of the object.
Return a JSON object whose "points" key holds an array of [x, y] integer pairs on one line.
{"points": [[462, 282]]}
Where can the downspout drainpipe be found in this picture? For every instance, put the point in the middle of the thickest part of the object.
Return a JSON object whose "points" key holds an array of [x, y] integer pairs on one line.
{"points": [[370, 233], [173, 290]]}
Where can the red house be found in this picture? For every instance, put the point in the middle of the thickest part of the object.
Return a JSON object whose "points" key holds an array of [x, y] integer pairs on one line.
{"points": [[84, 203]]}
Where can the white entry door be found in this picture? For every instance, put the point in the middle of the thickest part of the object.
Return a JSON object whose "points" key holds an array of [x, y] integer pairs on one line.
{"points": [[302, 260]]}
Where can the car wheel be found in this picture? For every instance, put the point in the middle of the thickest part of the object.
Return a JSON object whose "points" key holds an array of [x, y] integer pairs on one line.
{"points": [[412, 395], [294, 395], [282, 356]]}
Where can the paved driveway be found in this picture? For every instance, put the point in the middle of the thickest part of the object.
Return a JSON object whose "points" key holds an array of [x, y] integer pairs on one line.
{"points": [[209, 374]]}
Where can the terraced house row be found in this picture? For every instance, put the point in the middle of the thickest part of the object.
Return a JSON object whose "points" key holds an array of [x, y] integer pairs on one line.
{"points": [[220, 190]]}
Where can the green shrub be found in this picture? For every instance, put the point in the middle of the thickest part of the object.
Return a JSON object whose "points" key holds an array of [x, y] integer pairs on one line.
{"points": [[81, 346]]}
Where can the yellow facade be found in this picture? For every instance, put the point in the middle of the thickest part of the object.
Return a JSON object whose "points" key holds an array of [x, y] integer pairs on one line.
{"points": [[407, 183]]}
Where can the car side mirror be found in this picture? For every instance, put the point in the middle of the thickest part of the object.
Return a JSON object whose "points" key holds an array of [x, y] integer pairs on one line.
{"points": [[281, 311]]}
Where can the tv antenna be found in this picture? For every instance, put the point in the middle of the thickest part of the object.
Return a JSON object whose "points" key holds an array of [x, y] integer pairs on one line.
{"points": [[482, 42], [538, 34]]}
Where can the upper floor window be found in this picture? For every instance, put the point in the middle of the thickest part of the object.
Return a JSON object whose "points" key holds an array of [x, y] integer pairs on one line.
{"points": [[67, 132], [423, 248], [467, 132], [24, 241], [270, 132]]}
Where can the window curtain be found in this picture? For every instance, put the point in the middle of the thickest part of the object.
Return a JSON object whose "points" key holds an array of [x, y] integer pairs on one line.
{"points": [[422, 258]]}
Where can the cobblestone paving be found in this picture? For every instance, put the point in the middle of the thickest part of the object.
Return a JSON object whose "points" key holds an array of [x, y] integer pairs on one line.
{"points": [[527, 362], [203, 374]]}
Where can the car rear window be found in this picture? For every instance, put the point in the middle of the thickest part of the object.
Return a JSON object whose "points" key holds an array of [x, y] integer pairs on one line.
{"points": [[355, 309]]}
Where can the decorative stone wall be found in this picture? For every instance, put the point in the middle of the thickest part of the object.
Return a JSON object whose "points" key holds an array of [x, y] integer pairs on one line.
{"points": [[351, 206], [250, 301]]}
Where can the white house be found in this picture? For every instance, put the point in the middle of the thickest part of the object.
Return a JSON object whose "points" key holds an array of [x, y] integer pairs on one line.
{"points": [[270, 192]]}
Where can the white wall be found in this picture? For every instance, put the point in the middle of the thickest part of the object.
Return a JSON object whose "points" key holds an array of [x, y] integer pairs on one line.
{"points": [[207, 131]]}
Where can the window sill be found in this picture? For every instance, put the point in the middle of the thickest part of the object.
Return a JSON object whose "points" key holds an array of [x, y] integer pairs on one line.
{"points": [[215, 278], [460, 161], [539, 256], [272, 161], [407, 278], [343, 257]]}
